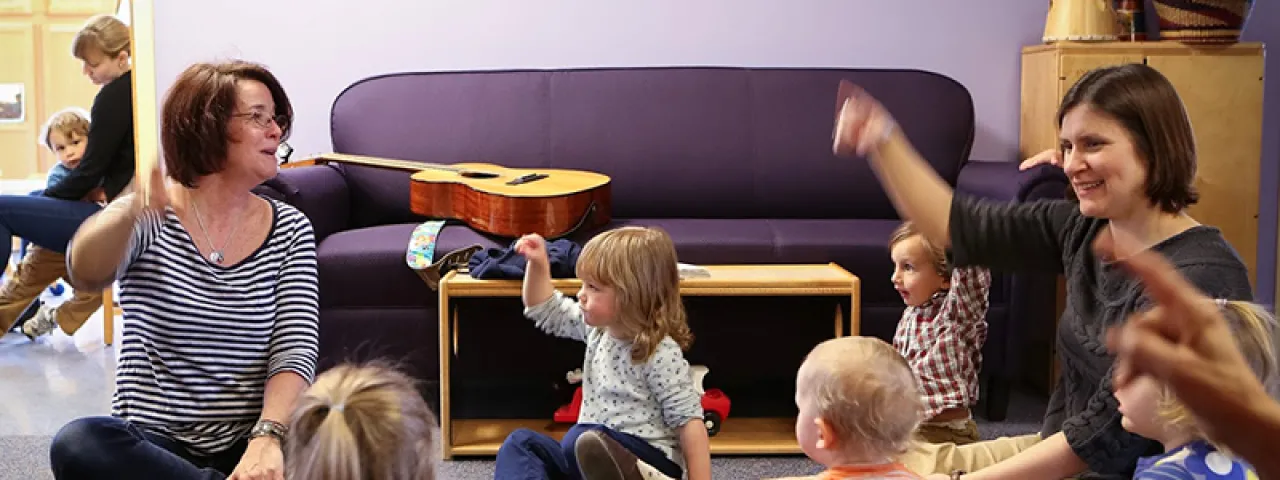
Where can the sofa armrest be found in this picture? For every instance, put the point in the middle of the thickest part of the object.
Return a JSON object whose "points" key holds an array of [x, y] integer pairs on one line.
{"points": [[1003, 181], [319, 191]]}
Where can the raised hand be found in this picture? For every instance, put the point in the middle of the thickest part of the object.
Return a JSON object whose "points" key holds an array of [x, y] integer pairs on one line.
{"points": [[533, 247], [862, 124], [151, 192], [1052, 156]]}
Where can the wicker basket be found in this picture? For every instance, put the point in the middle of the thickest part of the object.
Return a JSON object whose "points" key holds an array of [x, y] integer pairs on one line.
{"points": [[1202, 21]]}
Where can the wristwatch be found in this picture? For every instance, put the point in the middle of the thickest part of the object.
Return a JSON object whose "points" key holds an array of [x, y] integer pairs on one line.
{"points": [[269, 427]]}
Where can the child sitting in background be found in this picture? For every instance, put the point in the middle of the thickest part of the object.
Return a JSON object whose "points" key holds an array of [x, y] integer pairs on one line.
{"points": [[859, 406], [941, 332], [1151, 410], [640, 414], [66, 135], [361, 421]]}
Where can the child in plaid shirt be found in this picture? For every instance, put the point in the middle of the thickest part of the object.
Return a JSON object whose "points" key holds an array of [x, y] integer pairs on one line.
{"points": [[941, 332]]}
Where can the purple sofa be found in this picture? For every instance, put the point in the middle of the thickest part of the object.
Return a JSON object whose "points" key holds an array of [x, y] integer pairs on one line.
{"points": [[734, 163]]}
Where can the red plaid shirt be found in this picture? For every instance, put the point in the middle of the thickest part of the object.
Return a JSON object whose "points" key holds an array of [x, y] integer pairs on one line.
{"points": [[942, 340]]}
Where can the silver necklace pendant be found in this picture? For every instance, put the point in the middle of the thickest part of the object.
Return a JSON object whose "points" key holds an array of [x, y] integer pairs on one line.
{"points": [[216, 257]]}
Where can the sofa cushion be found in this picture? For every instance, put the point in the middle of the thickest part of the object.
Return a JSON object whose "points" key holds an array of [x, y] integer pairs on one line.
{"points": [[365, 267], [857, 245]]}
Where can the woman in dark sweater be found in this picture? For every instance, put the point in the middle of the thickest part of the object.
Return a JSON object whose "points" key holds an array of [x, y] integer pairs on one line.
{"points": [[1127, 147], [50, 219]]}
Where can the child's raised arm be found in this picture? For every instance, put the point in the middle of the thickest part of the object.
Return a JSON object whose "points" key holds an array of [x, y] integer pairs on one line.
{"points": [[537, 271]]}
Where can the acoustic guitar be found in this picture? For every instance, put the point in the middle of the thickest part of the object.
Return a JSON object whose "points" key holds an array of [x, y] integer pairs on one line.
{"points": [[509, 202]]}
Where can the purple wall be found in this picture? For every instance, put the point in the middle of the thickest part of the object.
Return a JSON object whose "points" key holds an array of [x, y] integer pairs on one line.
{"points": [[1264, 26], [317, 47]]}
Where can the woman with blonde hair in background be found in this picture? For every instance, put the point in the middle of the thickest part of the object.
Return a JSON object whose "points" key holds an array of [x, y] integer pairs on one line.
{"points": [[105, 168], [361, 421]]}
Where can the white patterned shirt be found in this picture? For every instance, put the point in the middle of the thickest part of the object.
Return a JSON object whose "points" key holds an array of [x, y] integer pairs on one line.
{"points": [[649, 400]]}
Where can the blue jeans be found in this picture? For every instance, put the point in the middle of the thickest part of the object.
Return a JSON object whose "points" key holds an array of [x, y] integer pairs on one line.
{"points": [[45, 221], [109, 448], [526, 454]]}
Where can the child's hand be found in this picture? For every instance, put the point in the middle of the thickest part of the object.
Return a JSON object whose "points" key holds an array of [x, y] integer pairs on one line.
{"points": [[97, 195], [863, 123], [533, 247]]}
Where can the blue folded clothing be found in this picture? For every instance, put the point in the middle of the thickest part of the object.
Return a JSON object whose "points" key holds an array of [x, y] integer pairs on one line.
{"points": [[505, 263]]}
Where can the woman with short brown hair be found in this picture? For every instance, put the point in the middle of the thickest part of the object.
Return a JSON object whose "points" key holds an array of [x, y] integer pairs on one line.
{"points": [[1127, 147], [219, 291]]}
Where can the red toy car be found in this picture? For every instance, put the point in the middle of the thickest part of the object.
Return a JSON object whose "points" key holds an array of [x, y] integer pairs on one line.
{"points": [[715, 404]]}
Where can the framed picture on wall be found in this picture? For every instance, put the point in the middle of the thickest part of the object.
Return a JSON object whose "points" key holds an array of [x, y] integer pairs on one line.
{"points": [[12, 103]]}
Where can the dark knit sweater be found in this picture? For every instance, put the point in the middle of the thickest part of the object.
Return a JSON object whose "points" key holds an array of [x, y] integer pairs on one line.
{"points": [[1052, 236]]}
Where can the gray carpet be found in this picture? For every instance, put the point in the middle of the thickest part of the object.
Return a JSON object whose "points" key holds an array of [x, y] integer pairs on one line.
{"points": [[27, 457]]}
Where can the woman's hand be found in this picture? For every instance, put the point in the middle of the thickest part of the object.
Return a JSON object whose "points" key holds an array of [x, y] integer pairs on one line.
{"points": [[1052, 156], [151, 192], [263, 460], [863, 123]]}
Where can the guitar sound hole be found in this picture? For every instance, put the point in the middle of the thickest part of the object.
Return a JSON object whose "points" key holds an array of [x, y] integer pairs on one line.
{"points": [[474, 174]]}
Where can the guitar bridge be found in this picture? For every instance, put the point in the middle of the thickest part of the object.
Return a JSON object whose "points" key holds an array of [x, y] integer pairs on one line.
{"points": [[527, 178]]}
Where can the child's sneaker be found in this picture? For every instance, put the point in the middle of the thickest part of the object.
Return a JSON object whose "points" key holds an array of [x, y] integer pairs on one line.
{"points": [[603, 458], [40, 324]]}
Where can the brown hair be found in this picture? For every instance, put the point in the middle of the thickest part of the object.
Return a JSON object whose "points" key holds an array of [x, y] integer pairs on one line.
{"points": [[104, 34], [937, 255], [867, 393], [1255, 334], [639, 263], [197, 112], [361, 421], [67, 122], [1149, 108]]}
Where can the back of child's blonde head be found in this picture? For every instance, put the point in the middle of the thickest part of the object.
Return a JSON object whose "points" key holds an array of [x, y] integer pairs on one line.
{"points": [[102, 34], [866, 391], [1255, 333], [360, 422], [68, 122], [639, 263]]}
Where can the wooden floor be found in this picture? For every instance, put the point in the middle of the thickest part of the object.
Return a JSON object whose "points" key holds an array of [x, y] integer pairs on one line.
{"points": [[738, 436]]}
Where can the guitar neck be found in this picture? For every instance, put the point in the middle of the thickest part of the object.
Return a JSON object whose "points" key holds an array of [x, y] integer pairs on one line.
{"points": [[388, 163]]}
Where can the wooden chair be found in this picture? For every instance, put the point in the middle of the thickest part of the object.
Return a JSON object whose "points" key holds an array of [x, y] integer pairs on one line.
{"points": [[108, 315]]}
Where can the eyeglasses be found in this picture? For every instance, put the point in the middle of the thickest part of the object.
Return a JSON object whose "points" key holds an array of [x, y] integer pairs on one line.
{"points": [[263, 120]]}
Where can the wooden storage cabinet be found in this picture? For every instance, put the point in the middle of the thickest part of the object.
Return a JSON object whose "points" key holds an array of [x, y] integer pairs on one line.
{"points": [[1221, 89]]}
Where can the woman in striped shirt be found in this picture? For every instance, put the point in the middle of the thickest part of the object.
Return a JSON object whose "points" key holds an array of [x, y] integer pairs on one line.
{"points": [[219, 292]]}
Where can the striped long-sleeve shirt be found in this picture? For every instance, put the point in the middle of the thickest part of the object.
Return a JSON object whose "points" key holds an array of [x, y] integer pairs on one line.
{"points": [[942, 340], [200, 340]]}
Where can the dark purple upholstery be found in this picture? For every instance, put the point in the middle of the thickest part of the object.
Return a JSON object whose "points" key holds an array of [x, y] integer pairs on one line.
{"points": [[735, 164]]}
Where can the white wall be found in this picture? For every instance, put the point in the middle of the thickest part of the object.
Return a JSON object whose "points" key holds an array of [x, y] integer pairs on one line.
{"points": [[318, 47]]}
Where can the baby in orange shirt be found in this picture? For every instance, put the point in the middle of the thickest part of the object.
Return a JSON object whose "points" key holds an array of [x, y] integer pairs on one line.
{"points": [[859, 407]]}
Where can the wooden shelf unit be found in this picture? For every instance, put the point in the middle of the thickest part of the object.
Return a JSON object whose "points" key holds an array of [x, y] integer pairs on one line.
{"points": [[738, 435]]}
